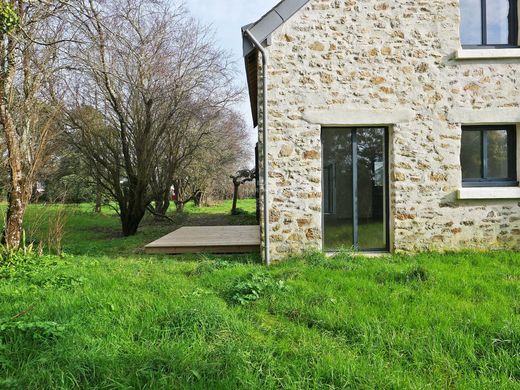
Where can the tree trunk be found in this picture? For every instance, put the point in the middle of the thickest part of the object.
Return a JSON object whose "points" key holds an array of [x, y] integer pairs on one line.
{"points": [[130, 223], [235, 198], [162, 204], [97, 208], [180, 206], [12, 234], [197, 198], [19, 189]]}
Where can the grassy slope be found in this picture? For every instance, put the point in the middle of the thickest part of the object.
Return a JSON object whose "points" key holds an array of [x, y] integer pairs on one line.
{"points": [[110, 317]]}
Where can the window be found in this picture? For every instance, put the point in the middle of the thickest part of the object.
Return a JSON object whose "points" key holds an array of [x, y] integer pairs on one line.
{"points": [[488, 156], [491, 23]]}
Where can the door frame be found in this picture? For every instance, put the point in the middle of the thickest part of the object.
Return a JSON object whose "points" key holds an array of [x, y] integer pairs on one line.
{"points": [[355, 192]]}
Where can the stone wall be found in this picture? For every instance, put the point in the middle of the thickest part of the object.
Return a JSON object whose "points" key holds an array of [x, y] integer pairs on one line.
{"points": [[343, 62]]}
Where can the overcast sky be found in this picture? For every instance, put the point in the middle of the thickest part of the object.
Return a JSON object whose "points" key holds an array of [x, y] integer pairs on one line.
{"points": [[227, 17]]}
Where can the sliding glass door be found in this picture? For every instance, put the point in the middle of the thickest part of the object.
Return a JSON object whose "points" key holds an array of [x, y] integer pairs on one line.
{"points": [[355, 188]]}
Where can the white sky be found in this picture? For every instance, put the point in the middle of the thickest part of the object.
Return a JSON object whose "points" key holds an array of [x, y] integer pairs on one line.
{"points": [[227, 17]]}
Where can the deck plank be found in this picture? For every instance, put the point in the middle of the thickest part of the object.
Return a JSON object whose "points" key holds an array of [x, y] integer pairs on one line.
{"points": [[208, 239]]}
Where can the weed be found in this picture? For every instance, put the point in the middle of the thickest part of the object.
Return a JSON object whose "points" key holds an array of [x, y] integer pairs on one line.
{"points": [[58, 282], [253, 287], [41, 331], [56, 231], [11, 258], [209, 266], [340, 261], [415, 273]]}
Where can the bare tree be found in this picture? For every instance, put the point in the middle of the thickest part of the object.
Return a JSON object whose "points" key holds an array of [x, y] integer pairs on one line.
{"points": [[221, 151], [145, 73], [31, 35], [241, 177], [185, 142]]}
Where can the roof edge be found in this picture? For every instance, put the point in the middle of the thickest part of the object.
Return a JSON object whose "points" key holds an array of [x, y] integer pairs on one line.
{"points": [[270, 22]]}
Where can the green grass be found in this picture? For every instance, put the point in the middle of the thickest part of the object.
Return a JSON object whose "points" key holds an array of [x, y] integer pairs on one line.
{"points": [[88, 233], [108, 317]]}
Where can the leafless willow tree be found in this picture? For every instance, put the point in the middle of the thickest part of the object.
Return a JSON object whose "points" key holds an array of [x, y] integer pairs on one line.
{"points": [[32, 33], [145, 81]]}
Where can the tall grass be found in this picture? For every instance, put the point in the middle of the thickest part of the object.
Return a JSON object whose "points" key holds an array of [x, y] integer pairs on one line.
{"points": [[110, 321]]}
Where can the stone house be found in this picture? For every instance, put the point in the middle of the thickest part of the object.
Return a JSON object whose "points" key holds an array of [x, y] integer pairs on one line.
{"points": [[392, 125]]}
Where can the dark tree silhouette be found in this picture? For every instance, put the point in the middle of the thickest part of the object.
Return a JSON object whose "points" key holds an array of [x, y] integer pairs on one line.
{"points": [[241, 177]]}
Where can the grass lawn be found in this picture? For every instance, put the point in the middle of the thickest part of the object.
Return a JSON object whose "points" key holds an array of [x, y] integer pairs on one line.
{"points": [[88, 233], [106, 316]]}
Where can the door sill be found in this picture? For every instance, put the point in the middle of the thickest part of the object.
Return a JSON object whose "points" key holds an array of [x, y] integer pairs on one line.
{"points": [[373, 254]]}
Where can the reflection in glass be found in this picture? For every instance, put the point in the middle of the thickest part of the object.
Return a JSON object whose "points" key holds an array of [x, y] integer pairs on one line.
{"points": [[371, 189], [339, 191], [471, 22], [337, 188], [498, 22], [498, 154], [471, 155]]}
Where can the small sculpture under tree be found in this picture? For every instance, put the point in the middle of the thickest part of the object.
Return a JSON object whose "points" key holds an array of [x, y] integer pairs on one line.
{"points": [[241, 177]]}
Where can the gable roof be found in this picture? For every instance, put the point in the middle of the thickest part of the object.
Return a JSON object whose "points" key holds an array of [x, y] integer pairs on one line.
{"points": [[262, 30], [267, 24]]}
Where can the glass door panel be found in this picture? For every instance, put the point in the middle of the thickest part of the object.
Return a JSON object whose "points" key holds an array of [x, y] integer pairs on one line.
{"points": [[337, 189], [371, 189], [354, 188]]}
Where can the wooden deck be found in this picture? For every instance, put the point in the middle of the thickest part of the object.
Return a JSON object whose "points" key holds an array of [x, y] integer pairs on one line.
{"points": [[208, 239]]}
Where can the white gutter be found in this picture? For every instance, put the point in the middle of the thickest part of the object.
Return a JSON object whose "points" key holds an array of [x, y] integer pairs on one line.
{"points": [[265, 57]]}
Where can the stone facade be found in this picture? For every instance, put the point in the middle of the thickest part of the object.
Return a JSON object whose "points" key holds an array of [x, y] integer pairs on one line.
{"points": [[376, 62]]}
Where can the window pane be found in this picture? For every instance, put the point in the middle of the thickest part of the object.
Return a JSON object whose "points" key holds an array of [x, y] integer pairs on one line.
{"points": [[498, 22], [498, 154], [371, 188], [337, 159], [471, 22], [471, 155]]}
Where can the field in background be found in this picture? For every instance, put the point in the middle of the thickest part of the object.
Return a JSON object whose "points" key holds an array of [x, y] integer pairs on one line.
{"points": [[106, 316], [100, 234]]}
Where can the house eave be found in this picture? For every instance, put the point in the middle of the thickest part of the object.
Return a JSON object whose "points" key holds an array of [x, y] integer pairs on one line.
{"points": [[262, 31], [270, 22]]}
